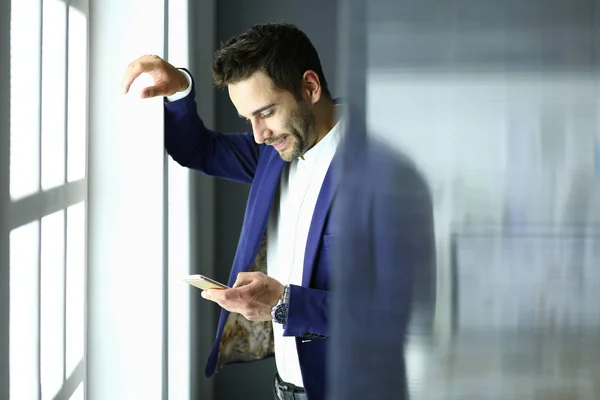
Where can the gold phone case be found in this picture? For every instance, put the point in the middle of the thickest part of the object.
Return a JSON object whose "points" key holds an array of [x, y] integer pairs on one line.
{"points": [[204, 283]]}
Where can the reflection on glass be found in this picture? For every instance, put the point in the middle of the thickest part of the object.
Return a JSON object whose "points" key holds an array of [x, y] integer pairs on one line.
{"points": [[77, 115], [24, 257], [52, 303], [75, 285], [497, 102], [24, 98], [54, 47]]}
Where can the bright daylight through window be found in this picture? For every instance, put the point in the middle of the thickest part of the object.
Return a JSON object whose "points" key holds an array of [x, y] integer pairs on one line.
{"points": [[48, 190]]}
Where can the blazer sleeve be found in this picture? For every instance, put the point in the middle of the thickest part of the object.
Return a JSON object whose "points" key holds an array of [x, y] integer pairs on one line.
{"points": [[192, 145], [308, 314]]}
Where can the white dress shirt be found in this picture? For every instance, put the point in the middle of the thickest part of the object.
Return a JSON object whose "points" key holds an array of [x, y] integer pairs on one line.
{"points": [[287, 233], [185, 93]]}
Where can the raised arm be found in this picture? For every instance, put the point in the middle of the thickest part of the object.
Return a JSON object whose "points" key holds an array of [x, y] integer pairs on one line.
{"points": [[187, 140]]}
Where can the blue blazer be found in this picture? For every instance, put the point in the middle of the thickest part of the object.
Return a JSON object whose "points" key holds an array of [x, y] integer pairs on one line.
{"points": [[374, 218], [238, 157]]}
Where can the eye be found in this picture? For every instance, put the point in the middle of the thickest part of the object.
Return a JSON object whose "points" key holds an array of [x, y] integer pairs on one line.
{"points": [[267, 114]]}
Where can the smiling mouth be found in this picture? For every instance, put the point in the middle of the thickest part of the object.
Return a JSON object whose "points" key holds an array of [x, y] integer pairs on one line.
{"points": [[280, 143]]}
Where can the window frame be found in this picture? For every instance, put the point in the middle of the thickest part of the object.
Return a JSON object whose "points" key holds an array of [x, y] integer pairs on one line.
{"points": [[5, 12], [24, 210]]}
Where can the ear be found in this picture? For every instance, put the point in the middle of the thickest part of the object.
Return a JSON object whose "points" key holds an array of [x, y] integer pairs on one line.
{"points": [[311, 87]]}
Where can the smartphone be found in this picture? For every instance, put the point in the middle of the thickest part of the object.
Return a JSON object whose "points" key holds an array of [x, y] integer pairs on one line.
{"points": [[204, 283]]}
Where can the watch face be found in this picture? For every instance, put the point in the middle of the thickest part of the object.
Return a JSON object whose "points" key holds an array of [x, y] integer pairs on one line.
{"points": [[280, 313], [274, 312]]}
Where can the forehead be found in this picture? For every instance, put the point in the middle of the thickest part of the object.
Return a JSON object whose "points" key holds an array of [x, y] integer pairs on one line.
{"points": [[254, 93]]}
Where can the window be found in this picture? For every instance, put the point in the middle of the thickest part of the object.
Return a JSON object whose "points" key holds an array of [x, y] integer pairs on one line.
{"points": [[48, 198]]}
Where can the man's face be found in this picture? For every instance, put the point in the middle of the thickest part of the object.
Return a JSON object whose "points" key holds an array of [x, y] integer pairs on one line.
{"points": [[276, 117]]}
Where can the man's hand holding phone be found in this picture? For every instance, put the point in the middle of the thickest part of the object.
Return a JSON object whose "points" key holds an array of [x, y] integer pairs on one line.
{"points": [[253, 295]]}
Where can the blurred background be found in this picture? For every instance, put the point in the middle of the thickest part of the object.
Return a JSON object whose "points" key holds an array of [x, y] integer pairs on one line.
{"points": [[495, 101]]}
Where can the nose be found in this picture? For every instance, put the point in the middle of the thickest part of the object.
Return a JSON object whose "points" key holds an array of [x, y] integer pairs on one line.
{"points": [[261, 133]]}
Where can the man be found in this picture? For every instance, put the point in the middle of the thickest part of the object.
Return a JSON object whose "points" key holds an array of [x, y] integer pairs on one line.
{"points": [[280, 278], [275, 80]]}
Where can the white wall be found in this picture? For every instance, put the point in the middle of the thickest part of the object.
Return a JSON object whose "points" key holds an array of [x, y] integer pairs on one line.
{"points": [[126, 205]]}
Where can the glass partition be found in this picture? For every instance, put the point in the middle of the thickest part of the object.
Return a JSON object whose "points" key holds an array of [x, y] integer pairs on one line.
{"points": [[495, 103]]}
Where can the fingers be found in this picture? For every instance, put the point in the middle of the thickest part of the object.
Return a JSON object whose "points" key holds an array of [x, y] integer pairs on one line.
{"points": [[160, 89], [211, 294], [235, 303], [245, 278], [234, 298], [143, 64], [238, 284], [240, 301], [222, 296], [207, 294]]}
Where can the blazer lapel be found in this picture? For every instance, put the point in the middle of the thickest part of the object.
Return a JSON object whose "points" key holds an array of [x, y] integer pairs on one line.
{"points": [[258, 211], [318, 222], [239, 339]]}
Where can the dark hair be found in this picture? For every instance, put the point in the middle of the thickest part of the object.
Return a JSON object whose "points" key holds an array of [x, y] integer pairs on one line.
{"points": [[282, 51]]}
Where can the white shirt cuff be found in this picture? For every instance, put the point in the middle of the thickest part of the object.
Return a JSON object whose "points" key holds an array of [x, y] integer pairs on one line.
{"points": [[185, 93]]}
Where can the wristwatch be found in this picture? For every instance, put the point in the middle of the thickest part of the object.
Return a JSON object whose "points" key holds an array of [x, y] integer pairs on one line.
{"points": [[280, 311]]}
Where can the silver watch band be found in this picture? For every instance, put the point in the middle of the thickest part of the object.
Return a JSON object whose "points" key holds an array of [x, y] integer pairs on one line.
{"points": [[285, 297], [280, 311]]}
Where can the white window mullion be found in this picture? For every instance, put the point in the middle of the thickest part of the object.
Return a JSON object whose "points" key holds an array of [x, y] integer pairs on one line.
{"points": [[38, 286], [65, 143], [76, 140], [65, 213], [38, 283], [64, 297]]}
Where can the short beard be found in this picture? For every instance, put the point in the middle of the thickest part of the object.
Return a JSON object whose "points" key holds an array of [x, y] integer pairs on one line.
{"points": [[302, 129]]}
